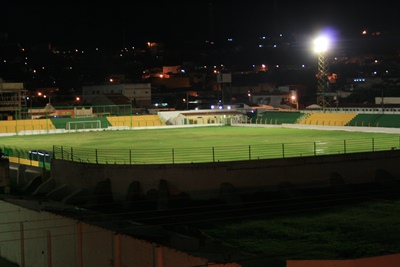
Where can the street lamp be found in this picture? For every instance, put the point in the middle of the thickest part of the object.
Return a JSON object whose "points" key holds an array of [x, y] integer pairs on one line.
{"points": [[321, 46]]}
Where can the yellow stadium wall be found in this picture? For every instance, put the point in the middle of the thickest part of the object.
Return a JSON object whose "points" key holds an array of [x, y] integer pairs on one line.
{"points": [[16, 126]]}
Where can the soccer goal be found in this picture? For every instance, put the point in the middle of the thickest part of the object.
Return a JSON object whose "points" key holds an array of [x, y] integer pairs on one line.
{"points": [[82, 125]]}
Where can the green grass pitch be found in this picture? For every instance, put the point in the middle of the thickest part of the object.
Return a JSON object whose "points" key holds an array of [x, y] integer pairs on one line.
{"points": [[200, 144], [183, 138]]}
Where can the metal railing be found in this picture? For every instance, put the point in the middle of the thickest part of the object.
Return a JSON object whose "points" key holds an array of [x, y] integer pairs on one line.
{"points": [[37, 158], [224, 153]]}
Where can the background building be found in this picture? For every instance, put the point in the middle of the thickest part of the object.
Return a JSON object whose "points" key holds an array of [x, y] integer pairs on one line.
{"points": [[139, 95], [12, 98]]}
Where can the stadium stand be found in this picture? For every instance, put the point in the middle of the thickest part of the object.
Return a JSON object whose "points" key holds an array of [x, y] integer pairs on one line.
{"points": [[329, 119], [136, 121], [271, 117], [377, 120], [389, 120], [13, 126], [268, 117], [369, 120]]}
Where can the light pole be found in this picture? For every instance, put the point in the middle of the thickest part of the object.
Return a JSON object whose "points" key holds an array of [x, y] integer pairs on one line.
{"points": [[30, 112], [49, 96], [187, 101], [321, 46], [294, 101]]}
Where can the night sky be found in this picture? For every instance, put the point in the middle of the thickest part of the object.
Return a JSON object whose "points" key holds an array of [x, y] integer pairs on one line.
{"points": [[118, 23]]}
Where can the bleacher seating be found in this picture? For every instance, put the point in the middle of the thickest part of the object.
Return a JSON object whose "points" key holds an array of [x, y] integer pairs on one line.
{"points": [[389, 120], [13, 126], [329, 119], [136, 121], [269, 117], [273, 117], [368, 120]]}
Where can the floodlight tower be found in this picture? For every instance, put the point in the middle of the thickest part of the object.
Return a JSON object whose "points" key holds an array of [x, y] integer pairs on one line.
{"points": [[321, 46]]}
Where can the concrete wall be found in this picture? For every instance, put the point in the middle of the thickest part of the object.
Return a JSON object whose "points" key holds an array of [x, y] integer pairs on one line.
{"points": [[204, 180], [32, 237], [21, 176], [4, 175]]}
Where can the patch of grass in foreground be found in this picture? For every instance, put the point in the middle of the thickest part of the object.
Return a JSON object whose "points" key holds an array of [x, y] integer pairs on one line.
{"points": [[362, 230]]}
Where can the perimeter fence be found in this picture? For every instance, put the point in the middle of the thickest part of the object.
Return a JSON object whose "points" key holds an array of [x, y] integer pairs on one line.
{"points": [[224, 153], [38, 158]]}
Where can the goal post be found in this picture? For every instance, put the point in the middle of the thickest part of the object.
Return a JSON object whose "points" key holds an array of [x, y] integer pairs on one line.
{"points": [[83, 125]]}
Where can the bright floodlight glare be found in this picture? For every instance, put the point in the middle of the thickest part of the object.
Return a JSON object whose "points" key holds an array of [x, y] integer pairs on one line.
{"points": [[321, 44]]}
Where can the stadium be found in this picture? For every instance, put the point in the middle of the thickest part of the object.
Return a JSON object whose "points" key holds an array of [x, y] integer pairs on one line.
{"points": [[326, 154]]}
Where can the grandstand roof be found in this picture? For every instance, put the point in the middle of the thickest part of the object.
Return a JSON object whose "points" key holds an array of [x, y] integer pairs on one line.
{"points": [[211, 112]]}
